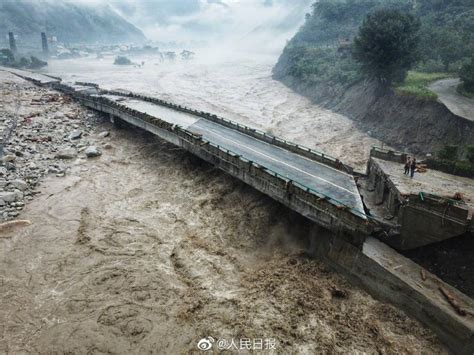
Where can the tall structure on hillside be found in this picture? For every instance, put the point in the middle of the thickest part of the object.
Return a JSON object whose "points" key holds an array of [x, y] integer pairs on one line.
{"points": [[11, 38], [44, 42]]}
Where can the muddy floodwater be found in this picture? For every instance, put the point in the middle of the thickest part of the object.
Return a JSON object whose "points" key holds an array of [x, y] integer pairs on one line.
{"points": [[146, 249], [237, 87]]}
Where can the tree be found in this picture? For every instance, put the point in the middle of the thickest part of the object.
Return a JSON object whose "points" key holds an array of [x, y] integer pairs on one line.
{"points": [[449, 46], [387, 44], [466, 74]]}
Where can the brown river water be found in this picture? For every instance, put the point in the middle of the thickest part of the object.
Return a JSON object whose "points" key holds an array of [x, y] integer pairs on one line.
{"points": [[147, 250]]}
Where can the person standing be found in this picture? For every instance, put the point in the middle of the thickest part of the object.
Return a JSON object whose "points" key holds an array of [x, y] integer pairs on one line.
{"points": [[412, 167], [407, 166]]}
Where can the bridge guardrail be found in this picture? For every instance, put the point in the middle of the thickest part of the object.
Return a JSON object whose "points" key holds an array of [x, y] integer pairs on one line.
{"points": [[256, 133], [303, 192]]}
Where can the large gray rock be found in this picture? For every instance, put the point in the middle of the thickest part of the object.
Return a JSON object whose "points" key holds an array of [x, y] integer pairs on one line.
{"points": [[66, 153], [19, 184], [8, 196], [9, 158], [92, 151], [104, 134], [76, 134]]}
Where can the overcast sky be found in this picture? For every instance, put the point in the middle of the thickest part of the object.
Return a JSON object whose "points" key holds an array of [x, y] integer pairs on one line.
{"points": [[213, 20]]}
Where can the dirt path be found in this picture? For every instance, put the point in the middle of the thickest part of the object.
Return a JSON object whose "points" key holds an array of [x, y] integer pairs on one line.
{"points": [[147, 250], [455, 102]]}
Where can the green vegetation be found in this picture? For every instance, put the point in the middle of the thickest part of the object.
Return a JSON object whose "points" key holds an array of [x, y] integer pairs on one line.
{"points": [[450, 161], [321, 65], [460, 168], [387, 45], [416, 84], [470, 153], [460, 89], [321, 52], [122, 60], [449, 152], [466, 74]]}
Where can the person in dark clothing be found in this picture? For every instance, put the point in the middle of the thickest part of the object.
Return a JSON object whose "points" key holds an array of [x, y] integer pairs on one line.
{"points": [[412, 167], [407, 166]]}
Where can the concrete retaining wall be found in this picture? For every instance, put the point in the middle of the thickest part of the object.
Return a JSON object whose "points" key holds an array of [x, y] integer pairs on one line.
{"points": [[389, 155], [422, 219], [391, 277]]}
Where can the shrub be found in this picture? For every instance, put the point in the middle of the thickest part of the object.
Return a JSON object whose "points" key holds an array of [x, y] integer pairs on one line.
{"points": [[416, 84], [449, 152], [470, 153], [459, 168], [466, 74], [122, 60]]}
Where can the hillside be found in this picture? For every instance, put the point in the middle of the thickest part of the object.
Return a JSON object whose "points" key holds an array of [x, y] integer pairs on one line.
{"points": [[317, 62], [69, 22], [313, 55]]}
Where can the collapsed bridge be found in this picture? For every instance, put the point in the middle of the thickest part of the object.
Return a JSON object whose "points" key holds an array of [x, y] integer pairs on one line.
{"points": [[313, 184], [310, 183], [316, 185]]}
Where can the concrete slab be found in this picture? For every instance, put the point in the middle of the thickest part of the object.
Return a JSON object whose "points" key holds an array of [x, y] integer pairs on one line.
{"points": [[433, 182], [43, 79], [166, 114], [319, 177]]}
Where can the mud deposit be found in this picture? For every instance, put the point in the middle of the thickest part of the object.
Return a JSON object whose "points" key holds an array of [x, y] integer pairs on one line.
{"points": [[147, 250]]}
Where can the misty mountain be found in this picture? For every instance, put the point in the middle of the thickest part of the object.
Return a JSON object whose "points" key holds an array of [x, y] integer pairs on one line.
{"points": [[216, 21], [69, 22]]}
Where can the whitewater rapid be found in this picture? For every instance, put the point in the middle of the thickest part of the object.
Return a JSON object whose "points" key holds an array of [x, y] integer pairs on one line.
{"points": [[238, 87]]}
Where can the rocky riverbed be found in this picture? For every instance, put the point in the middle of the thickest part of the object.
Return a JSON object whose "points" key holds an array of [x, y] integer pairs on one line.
{"points": [[41, 133], [146, 249]]}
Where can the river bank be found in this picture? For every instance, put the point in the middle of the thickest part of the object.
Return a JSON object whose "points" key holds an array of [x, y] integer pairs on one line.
{"points": [[238, 87], [404, 122], [147, 249]]}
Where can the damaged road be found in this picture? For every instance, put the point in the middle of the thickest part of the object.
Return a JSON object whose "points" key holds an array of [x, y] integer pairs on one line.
{"points": [[147, 249]]}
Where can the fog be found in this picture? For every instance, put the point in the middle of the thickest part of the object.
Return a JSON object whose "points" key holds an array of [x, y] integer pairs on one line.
{"points": [[241, 24]]}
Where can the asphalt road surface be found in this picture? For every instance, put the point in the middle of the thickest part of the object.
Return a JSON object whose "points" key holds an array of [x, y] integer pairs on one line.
{"points": [[455, 102], [317, 176]]}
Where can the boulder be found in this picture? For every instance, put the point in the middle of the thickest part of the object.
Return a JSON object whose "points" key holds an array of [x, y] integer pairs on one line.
{"points": [[104, 134], [92, 151], [9, 158], [8, 196], [67, 153], [76, 134], [19, 184]]}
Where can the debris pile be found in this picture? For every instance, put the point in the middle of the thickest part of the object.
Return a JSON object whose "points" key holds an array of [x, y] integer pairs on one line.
{"points": [[42, 132]]}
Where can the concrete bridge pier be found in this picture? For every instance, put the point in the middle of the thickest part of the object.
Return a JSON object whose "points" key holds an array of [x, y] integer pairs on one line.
{"points": [[392, 278], [116, 121], [11, 38]]}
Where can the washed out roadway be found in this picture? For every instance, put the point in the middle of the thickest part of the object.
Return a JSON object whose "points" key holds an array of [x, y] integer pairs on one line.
{"points": [[317, 176]]}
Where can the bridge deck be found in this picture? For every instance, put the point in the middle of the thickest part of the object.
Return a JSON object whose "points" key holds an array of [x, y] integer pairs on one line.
{"points": [[317, 176]]}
